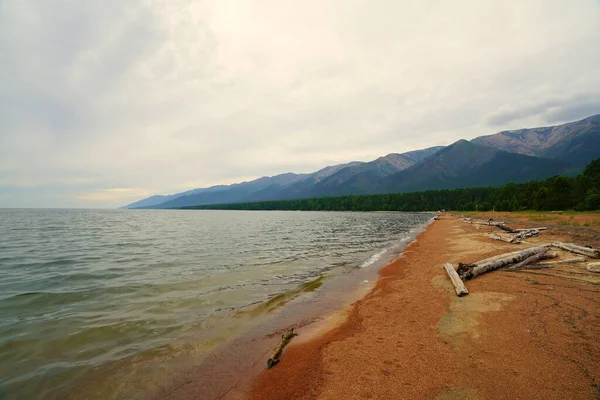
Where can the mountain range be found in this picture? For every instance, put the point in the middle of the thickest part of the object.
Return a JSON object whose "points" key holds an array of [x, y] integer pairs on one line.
{"points": [[509, 156]]}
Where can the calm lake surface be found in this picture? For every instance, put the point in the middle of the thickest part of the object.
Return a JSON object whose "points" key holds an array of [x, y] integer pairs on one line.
{"points": [[100, 302]]}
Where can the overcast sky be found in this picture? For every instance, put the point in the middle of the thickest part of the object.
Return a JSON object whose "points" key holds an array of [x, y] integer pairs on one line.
{"points": [[103, 102]]}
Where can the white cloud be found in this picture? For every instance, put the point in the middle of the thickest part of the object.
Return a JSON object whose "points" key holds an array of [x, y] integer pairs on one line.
{"points": [[159, 94]]}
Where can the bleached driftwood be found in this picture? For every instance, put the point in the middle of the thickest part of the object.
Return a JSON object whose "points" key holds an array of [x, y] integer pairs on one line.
{"points": [[502, 238], [573, 248], [470, 271], [526, 263], [459, 286], [503, 227], [564, 261], [499, 224], [593, 267], [524, 235], [516, 238], [543, 228], [285, 339]]}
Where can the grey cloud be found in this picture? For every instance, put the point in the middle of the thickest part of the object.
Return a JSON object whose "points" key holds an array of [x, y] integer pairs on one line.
{"points": [[158, 95], [574, 111]]}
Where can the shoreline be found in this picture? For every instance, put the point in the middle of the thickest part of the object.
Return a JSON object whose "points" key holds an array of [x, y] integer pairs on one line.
{"points": [[411, 337], [229, 371]]}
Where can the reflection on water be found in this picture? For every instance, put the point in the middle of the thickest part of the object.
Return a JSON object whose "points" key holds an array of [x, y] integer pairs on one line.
{"points": [[98, 292]]}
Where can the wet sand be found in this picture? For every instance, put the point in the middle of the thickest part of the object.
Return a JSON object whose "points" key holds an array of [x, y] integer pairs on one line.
{"points": [[517, 335]]}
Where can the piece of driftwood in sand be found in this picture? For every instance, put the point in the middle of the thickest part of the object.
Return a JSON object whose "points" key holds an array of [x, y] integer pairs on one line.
{"points": [[519, 236], [459, 286], [503, 227], [285, 339], [526, 263], [498, 224], [470, 271], [502, 238], [543, 228], [572, 260], [573, 248], [593, 267]]}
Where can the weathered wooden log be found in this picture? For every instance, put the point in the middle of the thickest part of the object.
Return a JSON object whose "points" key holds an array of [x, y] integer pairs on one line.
{"points": [[564, 261], [470, 271], [533, 259], [573, 248], [524, 235], [593, 267], [487, 223], [285, 339], [530, 266], [543, 228], [459, 286], [502, 238], [504, 228]]}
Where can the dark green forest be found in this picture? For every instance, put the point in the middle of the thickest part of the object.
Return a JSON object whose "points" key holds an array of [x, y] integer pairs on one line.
{"points": [[581, 193]]}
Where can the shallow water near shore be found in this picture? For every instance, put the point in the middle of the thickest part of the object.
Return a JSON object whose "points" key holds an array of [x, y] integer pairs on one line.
{"points": [[115, 304]]}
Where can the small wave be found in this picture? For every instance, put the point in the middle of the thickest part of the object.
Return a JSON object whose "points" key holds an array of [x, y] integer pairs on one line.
{"points": [[374, 258]]}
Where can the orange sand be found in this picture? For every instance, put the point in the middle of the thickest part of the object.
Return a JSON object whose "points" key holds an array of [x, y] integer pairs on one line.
{"points": [[517, 335]]}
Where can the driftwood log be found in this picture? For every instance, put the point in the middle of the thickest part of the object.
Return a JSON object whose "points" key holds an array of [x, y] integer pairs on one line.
{"points": [[503, 227], [532, 260], [524, 235], [502, 238], [593, 267], [518, 236], [573, 248], [564, 261], [470, 271], [285, 339], [459, 286]]}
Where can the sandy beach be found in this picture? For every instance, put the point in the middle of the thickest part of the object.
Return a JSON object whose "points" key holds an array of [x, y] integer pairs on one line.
{"points": [[531, 334]]}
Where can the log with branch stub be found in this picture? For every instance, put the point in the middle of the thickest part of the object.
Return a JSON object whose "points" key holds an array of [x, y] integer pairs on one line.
{"points": [[573, 248], [470, 271], [459, 286], [285, 339]]}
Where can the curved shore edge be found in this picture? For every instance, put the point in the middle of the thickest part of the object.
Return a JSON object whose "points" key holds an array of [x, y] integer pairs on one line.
{"points": [[517, 335], [229, 371]]}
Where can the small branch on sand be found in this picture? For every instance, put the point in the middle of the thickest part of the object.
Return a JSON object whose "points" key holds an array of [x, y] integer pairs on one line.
{"points": [[285, 339], [459, 286], [573, 248]]}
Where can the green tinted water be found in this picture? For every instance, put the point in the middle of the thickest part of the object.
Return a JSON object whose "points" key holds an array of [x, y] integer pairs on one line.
{"points": [[83, 291]]}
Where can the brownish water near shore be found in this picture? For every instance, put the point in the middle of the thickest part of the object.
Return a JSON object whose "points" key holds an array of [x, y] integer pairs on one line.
{"points": [[517, 335]]}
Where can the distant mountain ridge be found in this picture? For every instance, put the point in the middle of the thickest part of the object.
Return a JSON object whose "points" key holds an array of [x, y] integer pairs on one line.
{"points": [[576, 142], [509, 156]]}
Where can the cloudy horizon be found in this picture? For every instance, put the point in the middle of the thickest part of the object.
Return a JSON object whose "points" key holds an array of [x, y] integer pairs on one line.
{"points": [[107, 102]]}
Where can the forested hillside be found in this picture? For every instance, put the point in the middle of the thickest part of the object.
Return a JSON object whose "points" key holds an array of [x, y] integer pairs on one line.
{"points": [[581, 193]]}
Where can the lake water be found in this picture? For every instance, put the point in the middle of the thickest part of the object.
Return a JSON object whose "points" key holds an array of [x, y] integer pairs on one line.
{"points": [[102, 302]]}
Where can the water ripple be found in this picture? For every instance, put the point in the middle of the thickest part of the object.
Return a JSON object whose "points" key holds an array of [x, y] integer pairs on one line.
{"points": [[81, 289]]}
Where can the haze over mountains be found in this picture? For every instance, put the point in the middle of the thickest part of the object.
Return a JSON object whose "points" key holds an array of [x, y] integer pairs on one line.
{"points": [[509, 156]]}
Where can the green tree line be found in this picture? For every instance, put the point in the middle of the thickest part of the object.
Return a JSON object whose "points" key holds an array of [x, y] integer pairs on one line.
{"points": [[581, 193]]}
